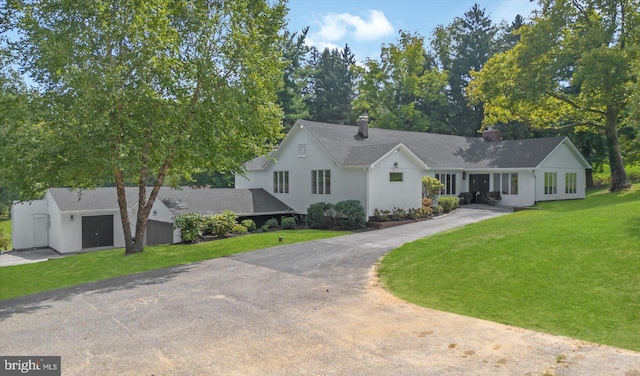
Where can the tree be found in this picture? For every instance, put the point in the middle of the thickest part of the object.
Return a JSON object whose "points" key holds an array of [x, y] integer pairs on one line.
{"points": [[573, 67], [463, 46], [291, 97], [404, 90], [133, 90], [331, 89]]}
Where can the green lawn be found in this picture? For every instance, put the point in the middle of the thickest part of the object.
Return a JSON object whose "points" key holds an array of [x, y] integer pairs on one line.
{"points": [[72, 270], [571, 268]]}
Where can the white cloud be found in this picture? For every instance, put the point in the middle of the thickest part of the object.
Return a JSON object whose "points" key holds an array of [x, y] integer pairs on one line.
{"points": [[336, 26]]}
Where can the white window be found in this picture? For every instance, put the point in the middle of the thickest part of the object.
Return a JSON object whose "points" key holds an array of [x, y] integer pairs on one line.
{"points": [[321, 182], [506, 183], [281, 182], [550, 183], [302, 150], [396, 176], [570, 183], [449, 181]]}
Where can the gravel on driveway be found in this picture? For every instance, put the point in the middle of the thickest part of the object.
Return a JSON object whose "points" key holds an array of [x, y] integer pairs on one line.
{"points": [[306, 309]]}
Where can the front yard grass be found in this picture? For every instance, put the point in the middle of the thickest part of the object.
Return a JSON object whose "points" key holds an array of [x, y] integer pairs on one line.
{"points": [[72, 270], [571, 268]]}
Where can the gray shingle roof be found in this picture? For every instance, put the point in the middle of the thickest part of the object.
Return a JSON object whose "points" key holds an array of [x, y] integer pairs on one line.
{"points": [[209, 201], [98, 199], [436, 150], [204, 201]]}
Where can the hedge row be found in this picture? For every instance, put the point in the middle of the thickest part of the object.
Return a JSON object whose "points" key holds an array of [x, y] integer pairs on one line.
{"points": [[347, 214]]}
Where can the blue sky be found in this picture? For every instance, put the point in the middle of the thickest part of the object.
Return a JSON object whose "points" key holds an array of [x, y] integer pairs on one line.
{"points": [[366, 25]]}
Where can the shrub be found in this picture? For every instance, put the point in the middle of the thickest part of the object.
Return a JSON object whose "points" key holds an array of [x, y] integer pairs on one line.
{"points": [[288, 223], [427, 202], [448, 203], [465, 198], [191, 226], [438, 209], [424, 211], [4, 241], [431, 186], [349, 214], [320, 215], [271, 223], [343, 215], [264, 228], [382, 215], [398, 214], [239, 229], [249, 224], [633, 174], [223, 223]]}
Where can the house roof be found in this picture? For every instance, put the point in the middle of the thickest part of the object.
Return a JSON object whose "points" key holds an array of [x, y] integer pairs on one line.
{"points": [[437, 151], [209, 201], [104, 198], [205, 201]]}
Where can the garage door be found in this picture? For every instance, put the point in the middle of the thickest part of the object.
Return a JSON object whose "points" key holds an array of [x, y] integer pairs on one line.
{"points": [[159, 233], [97, 231]]}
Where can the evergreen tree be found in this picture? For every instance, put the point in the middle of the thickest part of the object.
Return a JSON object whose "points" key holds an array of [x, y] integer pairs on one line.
{"points": [[331, 85], [464, 46], [291, 97]]}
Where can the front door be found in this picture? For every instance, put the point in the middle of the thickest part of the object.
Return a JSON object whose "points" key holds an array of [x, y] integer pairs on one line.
{"points": [[479, 183], [97, 231]]}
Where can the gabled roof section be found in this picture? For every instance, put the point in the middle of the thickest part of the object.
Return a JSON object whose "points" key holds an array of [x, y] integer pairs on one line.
{"points": [[574, 150], [526, 153], [105, 198], [208, 201], [435, 150]]}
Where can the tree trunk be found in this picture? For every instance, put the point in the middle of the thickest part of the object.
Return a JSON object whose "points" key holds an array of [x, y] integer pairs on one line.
{"points": [[124, 214], [619, 179], [589, 177], [145, 205]]}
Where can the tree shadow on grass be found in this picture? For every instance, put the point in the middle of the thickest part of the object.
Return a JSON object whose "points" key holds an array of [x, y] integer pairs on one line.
{"points": [[41, 300], [633, 228]]}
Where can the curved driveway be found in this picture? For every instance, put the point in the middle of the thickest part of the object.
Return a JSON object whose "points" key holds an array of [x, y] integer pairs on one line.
{"points": [[302, 309]]}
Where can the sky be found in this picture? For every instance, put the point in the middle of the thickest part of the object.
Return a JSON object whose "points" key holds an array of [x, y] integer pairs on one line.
{"points": [[366, 25]]}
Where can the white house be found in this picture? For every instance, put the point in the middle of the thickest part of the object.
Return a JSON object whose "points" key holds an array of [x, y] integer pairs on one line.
{"points": [[383, 169], [71, 221]]}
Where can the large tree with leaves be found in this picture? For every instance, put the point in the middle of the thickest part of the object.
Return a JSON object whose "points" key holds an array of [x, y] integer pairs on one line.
{"points": [[133, 90], [403, 90], [573, 67]]}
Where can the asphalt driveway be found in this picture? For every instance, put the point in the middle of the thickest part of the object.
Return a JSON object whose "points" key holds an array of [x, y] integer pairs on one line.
{"points": [[310, 308]]}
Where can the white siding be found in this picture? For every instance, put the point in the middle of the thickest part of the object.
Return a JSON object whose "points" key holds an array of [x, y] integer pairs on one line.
{"points": [[526, 185], [346, 184], [561, 161], [55, 229], [22, 224], [385, 194]]}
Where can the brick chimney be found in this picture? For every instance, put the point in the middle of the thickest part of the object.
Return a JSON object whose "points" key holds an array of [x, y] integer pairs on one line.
{"points": [[363, 126], [491, 134]]}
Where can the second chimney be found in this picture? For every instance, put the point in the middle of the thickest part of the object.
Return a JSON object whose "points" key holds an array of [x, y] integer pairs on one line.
{"points": [[363, 126], [491, 134]]}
